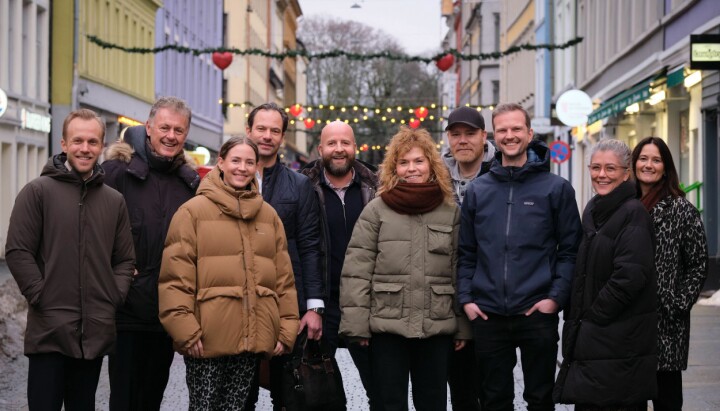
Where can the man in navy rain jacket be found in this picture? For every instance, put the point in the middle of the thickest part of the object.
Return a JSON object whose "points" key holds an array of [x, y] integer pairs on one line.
{"points": [[519, 235]]}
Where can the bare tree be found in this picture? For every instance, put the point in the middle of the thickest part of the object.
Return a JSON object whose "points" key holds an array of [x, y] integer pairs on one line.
{"points": [[377, 83]]}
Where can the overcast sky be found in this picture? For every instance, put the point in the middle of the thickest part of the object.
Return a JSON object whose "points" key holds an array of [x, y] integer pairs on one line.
{"points": [[416, 24]]}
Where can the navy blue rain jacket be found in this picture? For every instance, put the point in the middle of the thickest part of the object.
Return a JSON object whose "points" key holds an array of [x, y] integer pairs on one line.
{"points": [[519, 235]]}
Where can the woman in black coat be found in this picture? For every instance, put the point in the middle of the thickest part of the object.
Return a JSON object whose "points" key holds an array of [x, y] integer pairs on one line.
{"points": [[610, 332], [681, 261]]}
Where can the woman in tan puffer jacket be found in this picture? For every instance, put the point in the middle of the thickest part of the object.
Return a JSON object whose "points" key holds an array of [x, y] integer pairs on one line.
{"points": [[226, 287]]}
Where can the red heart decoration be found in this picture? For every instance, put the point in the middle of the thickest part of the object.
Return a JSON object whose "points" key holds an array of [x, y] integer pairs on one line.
{"points": [[445, 62], [222, 60], [309, 123], [296, 109], [421, 112], [414, 123]]}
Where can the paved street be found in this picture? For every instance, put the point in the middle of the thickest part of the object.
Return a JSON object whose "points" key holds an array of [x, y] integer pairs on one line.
{"points": [[701, 380]]}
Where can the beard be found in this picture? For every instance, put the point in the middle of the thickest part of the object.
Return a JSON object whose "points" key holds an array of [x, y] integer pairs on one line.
{"points": [[337, 170]]}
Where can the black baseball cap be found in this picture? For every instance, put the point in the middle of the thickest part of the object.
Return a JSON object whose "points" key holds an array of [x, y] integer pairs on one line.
{"points": [[466, 115]]}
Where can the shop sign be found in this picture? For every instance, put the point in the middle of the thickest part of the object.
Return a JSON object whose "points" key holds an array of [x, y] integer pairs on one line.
{"points": [[3, 102], [617, 104], [35, 121], [573, 107], [705, 51]]}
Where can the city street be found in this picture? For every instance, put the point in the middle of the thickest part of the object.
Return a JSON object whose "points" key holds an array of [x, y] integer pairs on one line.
{"points": [[701, 380]]}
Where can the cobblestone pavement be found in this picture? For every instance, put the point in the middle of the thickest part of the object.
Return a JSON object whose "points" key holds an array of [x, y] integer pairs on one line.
{"points": [[701, 382]]}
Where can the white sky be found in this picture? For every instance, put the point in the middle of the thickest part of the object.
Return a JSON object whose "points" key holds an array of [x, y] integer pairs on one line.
{"points": [[416, 24]]}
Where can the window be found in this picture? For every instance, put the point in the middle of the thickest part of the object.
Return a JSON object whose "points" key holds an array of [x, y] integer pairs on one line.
{"points": [[495, 92], [496, 32]]}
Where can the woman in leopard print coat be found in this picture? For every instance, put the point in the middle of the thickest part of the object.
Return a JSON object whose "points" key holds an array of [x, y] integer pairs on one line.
{"points": [[681, 260]]}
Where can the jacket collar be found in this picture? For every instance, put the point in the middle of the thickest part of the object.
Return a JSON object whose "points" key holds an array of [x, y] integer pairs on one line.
{"points": [[538, 161], [55, 168], [139, 167], [241, 204]]}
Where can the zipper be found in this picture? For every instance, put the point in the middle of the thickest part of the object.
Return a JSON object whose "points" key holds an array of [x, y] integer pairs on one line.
{"points": [[507, 234], [81, 254]]}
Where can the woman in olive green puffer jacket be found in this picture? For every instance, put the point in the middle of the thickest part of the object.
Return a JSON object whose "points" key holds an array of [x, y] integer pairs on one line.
{"points": [[397, 290]]}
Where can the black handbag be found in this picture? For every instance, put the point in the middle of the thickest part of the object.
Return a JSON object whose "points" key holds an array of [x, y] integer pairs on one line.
{"points": [[311, 380]]}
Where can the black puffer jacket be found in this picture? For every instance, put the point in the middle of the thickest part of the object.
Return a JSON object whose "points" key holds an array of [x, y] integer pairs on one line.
{"points": [[610, 332], [153, 193], [293, 197]]}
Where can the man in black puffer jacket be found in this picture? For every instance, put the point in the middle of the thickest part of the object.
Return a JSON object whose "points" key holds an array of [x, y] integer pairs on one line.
{"points": [[293, 197], [149, 170]]}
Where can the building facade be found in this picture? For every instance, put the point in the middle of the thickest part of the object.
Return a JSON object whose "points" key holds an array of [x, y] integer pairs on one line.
{"points": [[119, 86], [517, 70], [474, 28], [640, 78], [195, 79], [254, 80], [24, 99]]}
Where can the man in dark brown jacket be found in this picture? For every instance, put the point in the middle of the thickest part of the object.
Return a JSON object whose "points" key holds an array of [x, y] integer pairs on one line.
{"points": [[70, 250]]}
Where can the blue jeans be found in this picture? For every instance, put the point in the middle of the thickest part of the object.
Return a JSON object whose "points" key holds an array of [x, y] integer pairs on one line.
{"points": [[496, 340]]}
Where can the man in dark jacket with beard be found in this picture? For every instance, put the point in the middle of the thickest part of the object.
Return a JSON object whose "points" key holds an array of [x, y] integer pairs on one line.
{"points": [[519, 235], [292, 196], [70, 250], [344, 186], [149, 170]]}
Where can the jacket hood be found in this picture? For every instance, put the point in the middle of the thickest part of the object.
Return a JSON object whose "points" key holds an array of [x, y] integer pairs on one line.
{"points": [[241, 204], [538, 161], [119, 151], [135, 137], [452, 165], [55, 168], [367, 172], [131, 150]]}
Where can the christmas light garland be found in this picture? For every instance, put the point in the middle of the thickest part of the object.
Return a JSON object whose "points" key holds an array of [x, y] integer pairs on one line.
{"points": [[332, 53]]}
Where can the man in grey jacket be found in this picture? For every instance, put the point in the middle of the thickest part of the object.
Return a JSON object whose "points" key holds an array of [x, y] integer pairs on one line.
{"points": [[469, 157], [470, 153]]}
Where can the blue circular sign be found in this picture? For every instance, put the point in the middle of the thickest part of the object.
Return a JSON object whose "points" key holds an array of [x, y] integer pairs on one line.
{"points": [[559, 152]]}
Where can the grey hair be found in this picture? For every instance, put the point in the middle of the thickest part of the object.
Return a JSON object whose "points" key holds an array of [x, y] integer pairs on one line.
{"points": [[175, 104], [621, 150]]}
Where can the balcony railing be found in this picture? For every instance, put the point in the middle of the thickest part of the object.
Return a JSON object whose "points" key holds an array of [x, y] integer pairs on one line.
{"points": [[696, 186]]}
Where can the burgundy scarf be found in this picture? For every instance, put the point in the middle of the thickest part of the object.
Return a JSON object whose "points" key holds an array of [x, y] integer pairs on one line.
{"points": [[409, 198]]}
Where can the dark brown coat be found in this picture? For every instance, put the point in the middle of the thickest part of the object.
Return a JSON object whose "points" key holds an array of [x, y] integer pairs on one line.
{"points": [[70, 250]]}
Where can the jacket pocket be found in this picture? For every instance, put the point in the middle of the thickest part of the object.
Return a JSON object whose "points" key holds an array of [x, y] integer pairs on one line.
{"points": [[388, 299], [441, 301], [267, 316], [439, 239], [222, 318]]}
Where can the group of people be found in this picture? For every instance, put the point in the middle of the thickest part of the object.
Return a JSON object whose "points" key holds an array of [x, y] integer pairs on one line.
{"points": [[433, 268]]}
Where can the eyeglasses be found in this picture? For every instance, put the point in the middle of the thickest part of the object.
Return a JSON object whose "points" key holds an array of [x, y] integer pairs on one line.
{"points": [[610, 169]]}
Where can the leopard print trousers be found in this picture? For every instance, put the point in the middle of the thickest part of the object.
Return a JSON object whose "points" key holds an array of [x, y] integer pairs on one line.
{"points": [[221, 383]]}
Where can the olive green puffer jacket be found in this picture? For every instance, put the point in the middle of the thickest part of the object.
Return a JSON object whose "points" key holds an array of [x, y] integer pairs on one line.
{"points": [[399, 274]]}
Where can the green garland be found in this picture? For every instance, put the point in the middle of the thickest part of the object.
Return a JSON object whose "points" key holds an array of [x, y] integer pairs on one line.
{"points": [[333, 53], [360, 108]]}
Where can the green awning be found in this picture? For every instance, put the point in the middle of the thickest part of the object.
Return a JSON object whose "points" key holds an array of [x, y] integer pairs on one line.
{"points": [[676, 77], [618, 103]]}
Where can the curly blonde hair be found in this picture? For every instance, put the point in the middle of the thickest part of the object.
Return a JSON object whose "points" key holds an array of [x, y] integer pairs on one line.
{"points": [[405, 140]]}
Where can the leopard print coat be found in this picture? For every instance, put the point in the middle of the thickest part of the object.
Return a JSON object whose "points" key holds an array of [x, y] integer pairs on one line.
{"points": [[681, 260]]}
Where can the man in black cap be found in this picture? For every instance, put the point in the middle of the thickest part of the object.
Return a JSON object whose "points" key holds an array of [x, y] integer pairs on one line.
{"points": [[469, 157], [470, 153]]}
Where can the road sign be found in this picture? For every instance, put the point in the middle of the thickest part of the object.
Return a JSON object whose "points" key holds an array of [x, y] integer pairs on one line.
{"points": [[559, 152]]}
